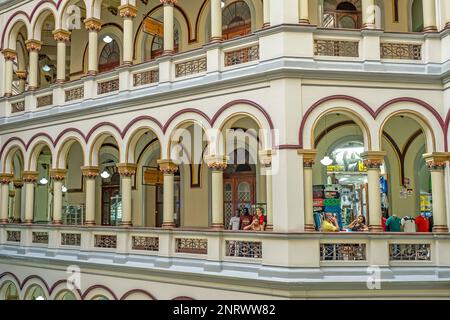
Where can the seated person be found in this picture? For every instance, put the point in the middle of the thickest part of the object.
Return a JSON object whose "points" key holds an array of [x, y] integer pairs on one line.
{"points": [[255, 225], [330, 223], [359, 224]]}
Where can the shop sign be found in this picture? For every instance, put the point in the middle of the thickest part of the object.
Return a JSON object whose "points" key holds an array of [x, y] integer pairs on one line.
{"points": [[152, 176], [154, 27]]}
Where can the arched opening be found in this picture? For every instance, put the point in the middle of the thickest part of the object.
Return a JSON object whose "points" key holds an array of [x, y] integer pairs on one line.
{"points": [[9, 291], [236, 20], [35, 292], [66, 295], [20, 65], [43, 204], [48, 54], [417, 16], [110, 56], [342, 14]]}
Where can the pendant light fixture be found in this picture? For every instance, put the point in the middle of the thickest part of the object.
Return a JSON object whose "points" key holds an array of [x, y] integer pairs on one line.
{"points": [[326, 160]]}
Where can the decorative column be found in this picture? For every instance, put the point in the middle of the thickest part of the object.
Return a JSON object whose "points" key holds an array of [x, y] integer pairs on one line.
{"points": [[90, 174], [61, 37], [266, 13], [29, 179], [429, 15], [373, 161], [128, 12], [93, 26], [217, 164], [447, 14], [57, 176], [168, 25], [304, 12], [5, 179], [126, 171], [368, 14], [18, 184], [10, 56], [436, 163], [168, 168], [309, 158], [33, 46], [216, 20], [266, 160], [22, 76]]}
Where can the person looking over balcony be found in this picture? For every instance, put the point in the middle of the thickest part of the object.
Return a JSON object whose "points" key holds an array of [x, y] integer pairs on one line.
{"points": [[246, 219], [255, 225], [359, 224], [261, 217], [330, 223], [235, 221]]}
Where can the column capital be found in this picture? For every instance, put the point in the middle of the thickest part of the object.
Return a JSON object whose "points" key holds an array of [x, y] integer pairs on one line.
{"points": [[61, 35], [216, 162], [6, 178], [127, 169], [30, 176], [167, 166], [436, 161], [265, 157], [58, 174], [9, 54], [309, 157], [22, 74], [373, 159], [18, 183], [90, 172], [93, 24], [127, 11], [33, 45], [168, 2]]}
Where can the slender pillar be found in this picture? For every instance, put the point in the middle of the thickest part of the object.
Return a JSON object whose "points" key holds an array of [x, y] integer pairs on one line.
{"points": [[10, 56], [126, 171], [90, 174], [128, 12], [304, 12], [217, 164], [436, 163], [18, 184], [216, 20], [5, 180], [447, 14], [168, 25], [22, 76], [58, 176], [309, 157], [29, 179], [266, 161], [168, 168], [33, 47], [62, 37], [373, 161], [368, 14], [429, 16], [93, 26], [266, 13]]}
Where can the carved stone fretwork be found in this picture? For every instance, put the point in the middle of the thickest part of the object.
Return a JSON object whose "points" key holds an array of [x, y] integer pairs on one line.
{"points": [[265, 157], [436, 161], [6, 178], [9, 54], [18, 184], [58, 174], [127, 11], [167, 166], [30, 176], [373, 159], [309, 157], [61, 35], [126, 169], [33, 45], [21, 74], [93, 24], [216, 162], [90, 172]]}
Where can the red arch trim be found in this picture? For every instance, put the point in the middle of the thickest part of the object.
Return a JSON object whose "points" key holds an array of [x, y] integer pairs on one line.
{"points": [[98, 286], [129, 293], [375, 114]]}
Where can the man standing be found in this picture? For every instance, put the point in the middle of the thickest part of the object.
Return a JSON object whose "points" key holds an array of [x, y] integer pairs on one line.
{"points": [[235, 221]]}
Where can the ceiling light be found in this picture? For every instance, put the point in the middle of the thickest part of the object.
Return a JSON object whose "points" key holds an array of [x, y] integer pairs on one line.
{"points": [[107, 39], [46, 68], [64, 189], [43, 181], [326, 161], [40, 298], [105, 174], [222, 3]]}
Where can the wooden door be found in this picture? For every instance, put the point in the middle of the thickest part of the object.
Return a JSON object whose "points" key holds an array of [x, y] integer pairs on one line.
{"points": [[239, 193]]}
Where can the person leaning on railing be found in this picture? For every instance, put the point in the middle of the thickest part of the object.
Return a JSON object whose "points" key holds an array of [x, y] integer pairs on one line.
{"points": [[330, 223]]}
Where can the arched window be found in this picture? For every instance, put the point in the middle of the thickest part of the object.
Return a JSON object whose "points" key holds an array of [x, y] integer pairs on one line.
{"points": [[342, 14], [110, 57], [158, 44], [236, 20], [417, 16]]}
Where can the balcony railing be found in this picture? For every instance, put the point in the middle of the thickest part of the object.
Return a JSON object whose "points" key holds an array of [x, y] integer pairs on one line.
{"points": [[145, 77], [44, 101], [74, 94], [18, 106], [190, 67], [401, 51], [336, 48], [108, 86], [243, 55]]}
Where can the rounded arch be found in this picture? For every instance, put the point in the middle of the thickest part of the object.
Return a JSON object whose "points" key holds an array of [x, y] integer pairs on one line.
{"points": [[62, 148], [35, 147], [9, 290], [69, 16], [8, 155], [65, 293], [137, 294], [113, 48], [99, 291], [34, 282], [353, 108], [134, 132], [39, 18], [96, 138], [19, 20]]}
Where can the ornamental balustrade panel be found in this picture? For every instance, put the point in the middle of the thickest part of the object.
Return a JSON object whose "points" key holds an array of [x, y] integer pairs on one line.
{"points": [[336, 48], [243, 249], [343, 252], [44, 101], [409, 252], [190, 67], [105, 241], [74, 94], [243, 55], [108, 86], [191, 245], [145, 243], [13, 236], [401, 51], [71, 239], [18, 106], [40, 237], [146, 77]]}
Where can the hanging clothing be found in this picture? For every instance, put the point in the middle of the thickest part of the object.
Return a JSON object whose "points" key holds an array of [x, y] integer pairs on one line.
{"points": [[409, 224]]}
